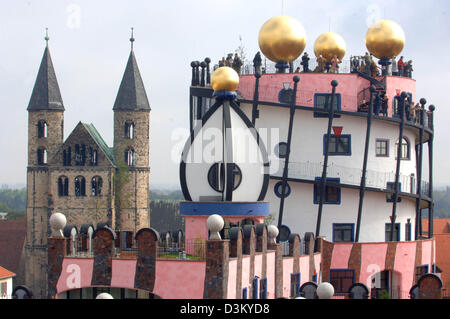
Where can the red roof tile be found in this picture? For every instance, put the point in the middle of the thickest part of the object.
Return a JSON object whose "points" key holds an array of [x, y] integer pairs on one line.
{"points": [[12, 239], [5, 273]]}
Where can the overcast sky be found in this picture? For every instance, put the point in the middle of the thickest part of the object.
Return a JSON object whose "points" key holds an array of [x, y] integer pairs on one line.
{"points": [[89, 44]]}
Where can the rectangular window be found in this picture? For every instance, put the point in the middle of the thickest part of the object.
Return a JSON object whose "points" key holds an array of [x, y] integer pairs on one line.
{"points": [[342, 280], [244, 293], [343, 233], [295, 285], [321, 102], [382, 148], [339, 146], [396, 232], [263, 288], [332, 195], [408, 232], [255, 288], [390, 187]]}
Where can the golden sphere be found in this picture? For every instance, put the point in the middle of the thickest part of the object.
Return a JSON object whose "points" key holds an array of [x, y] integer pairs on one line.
{"points": [[385, 39], [225, 79], [330, 44], [282, 39]]}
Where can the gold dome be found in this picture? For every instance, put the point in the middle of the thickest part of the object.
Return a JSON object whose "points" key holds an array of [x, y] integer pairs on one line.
{"points": [[282, 39], [330, 44], [225, 79], [385, 39]]}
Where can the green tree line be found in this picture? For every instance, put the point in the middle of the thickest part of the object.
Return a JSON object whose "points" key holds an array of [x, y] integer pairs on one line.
{"points": [[13, 201]]}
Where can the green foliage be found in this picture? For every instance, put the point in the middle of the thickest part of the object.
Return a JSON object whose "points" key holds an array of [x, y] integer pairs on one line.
{"points": [[13, 199], [157, 194], [121, 178]]}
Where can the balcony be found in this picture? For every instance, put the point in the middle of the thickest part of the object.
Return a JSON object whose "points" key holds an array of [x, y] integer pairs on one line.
{"points": [[309, 171]]}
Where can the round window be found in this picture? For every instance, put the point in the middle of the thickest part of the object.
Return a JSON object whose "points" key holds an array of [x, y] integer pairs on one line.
{"points": [[279, 190], [216, 177]]}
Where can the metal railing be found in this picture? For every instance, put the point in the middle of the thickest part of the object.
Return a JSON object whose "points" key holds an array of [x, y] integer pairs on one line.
{"points": [[351, 176], [268, 67]]}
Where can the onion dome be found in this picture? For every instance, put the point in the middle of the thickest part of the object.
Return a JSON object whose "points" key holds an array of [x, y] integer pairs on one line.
{"points": [[385, 39], [282, 39], [225, 79], [330, 44]]}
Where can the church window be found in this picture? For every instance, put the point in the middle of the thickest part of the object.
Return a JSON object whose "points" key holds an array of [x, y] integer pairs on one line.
{"points": [[80, 186], [129, 130], [42, 156], [129, 157], [96, 184], [80, 154], [42, 129], [67, 156], [93, 157], [63, 186]]}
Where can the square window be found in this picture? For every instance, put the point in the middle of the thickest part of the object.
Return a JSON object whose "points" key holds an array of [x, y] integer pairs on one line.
{"points": [[321, 101], [382, 148], [342, 279], [388, 228], [339, 146], [332, 193], [343, 233], [390, 188]]}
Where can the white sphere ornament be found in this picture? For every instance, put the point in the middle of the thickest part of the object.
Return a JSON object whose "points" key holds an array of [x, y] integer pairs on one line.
{"points": [[57, 223], [325, 290], [104, 295], [215, 224], [273, 232]]}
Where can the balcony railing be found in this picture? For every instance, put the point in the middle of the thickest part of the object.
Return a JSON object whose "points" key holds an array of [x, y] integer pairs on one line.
{"points": [[351, 176]]}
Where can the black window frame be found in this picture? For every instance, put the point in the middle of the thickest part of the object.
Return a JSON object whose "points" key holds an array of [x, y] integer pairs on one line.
{"points": [[381, 140], [348, 227], [327, 201], [335, 141], [387, 232], [337, 106]]}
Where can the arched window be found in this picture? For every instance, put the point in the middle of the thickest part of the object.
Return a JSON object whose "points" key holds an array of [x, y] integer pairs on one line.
{"points": [[42, 156], [129, 157], [96, 184], [80, 186], [63, 186], [405, 155], [67, 156], [129, 130], [42, 129], [93, 157], [80, 154]]}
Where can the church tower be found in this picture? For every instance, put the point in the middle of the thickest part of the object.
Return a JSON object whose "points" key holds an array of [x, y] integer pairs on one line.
{"points": [[131, 150], [45, 136]]}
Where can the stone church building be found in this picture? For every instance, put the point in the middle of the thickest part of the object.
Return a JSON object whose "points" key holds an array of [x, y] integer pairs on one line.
{"points": [[81, 176]]}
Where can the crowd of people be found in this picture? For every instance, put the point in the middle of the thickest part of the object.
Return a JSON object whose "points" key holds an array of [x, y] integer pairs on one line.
{"points": [[381, 106], [366, 64], [232, 62]]}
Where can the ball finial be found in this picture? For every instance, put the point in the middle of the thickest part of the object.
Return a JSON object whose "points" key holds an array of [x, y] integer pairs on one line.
{"points": [[325, 290], [273, 232], [215, 224], [57, 223], [225, 79], [385, 39], [330, 44], [104, 295], [282, 39]]}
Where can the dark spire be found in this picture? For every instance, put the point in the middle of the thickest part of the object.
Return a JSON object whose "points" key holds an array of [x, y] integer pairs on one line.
{"points": [[131, 95], [46, 94]]}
